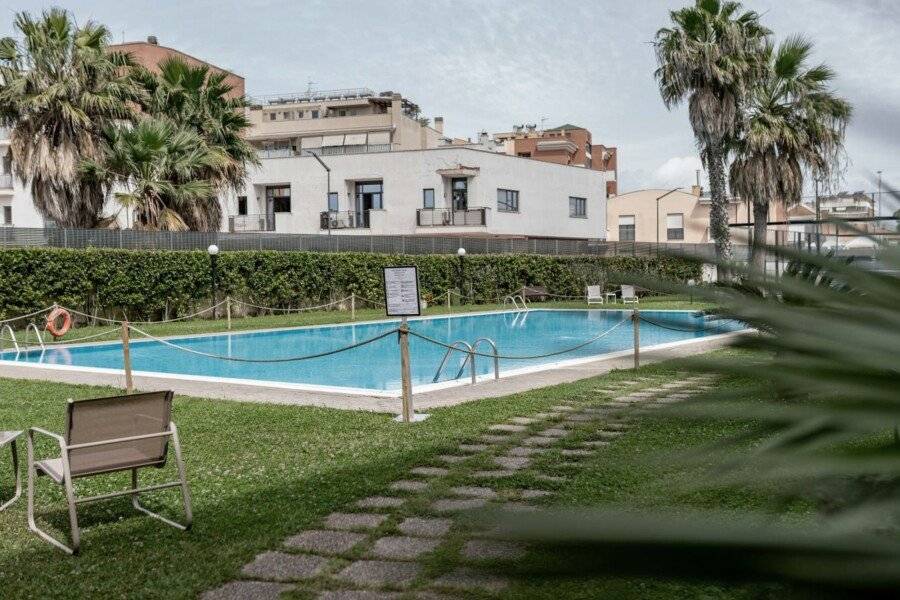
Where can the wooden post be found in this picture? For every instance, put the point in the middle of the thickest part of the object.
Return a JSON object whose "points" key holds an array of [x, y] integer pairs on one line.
{"points": [[449, 310], [406, 381], [228, 310], [353, 306], [126, 358], [636, 322]]}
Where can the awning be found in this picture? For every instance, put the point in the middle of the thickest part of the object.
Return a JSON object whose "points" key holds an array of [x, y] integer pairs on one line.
{"points": [[355, 139], [333, 140], [459, 171], [311, 142], [379, 137]]}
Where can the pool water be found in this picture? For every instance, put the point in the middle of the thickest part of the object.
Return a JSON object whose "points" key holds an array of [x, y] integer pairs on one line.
{"points": [[376, 366]]}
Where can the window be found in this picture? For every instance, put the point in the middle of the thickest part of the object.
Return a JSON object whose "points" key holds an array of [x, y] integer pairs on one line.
{"points": [[7, 215], [507, 200], [342, 113], [626, 228], [299, 114], [315, 114], [577, 207], [428, 198], [272, 116], [459, 193], [332, 201], [278, 198], [524, 154], [675, 226], [287, 115], [242, 205]]}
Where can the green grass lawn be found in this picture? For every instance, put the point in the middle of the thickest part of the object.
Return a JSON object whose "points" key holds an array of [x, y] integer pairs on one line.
{"points": [[321, 317], [260, 473]]}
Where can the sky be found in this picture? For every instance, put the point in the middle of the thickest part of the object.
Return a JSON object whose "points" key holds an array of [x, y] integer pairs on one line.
{"points": [[490, 64]]}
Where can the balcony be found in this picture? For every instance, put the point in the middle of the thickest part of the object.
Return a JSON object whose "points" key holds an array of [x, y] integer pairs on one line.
{"points": [[362, 149], [344, 219], [276, 153], [241, 223], [445, 217], [6, 181]]}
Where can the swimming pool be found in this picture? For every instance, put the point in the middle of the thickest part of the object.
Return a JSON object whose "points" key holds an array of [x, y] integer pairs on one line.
{"points": [[375, 367]]}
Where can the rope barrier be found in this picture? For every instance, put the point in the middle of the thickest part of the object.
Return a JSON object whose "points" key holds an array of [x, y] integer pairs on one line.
{"points": [[31, 314], [375, 302], [81, 339], [505, 357], [265, 360], [674, 328], [290, 310], [119, 322]]}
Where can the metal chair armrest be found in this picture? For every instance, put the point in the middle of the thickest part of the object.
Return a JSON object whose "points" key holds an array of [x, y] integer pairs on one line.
{"points": [[55, 436]]}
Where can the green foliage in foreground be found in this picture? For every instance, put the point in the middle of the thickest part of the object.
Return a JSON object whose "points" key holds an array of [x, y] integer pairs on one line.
{"points": [[144, 284]]}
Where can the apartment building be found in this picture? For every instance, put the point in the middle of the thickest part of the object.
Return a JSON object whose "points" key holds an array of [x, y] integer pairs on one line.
{"points": [[674, 216], [447, 190], [335, 122], [566, 145]]}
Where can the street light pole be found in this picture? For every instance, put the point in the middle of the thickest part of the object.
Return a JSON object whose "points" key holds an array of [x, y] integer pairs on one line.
{"points": [[461, 253], [878, 204], [213, 251]]}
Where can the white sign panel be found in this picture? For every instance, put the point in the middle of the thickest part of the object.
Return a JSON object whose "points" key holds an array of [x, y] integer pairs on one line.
{"points": [[401, 291]]}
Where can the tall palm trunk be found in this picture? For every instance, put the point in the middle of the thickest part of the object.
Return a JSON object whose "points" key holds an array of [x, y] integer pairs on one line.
{"points": [[760, 219], [718, 211]]}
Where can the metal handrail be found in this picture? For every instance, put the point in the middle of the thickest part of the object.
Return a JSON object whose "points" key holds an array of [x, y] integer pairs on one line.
{"points": [[37, 334], [12, 336], [469, 355], [496, 354], [515, 299]]}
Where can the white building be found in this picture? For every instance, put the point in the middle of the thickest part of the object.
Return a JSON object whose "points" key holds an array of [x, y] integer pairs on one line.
{"points": [[16, 207], [438, 191]]}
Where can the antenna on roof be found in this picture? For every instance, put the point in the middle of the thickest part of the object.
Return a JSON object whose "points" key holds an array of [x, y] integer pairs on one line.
{"points": [[309, 86], [543, 120]]}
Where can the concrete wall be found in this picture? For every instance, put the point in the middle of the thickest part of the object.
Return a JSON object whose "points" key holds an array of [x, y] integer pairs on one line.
{"points": [[544, 191]]}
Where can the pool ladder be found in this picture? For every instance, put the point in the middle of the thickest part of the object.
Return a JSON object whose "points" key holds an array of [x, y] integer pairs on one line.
{"points": [[12, 337], [470, 350], [517, 300]]}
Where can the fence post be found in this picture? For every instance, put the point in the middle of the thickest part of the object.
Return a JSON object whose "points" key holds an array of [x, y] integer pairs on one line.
{"points": [[126, 359], [636, 325], [406, 382], [228, 310], [353, 306], [449, 310]]}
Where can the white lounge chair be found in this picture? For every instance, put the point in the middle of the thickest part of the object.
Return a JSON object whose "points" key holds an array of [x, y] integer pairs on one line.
{"points": [[594, 294], [628, 295]]}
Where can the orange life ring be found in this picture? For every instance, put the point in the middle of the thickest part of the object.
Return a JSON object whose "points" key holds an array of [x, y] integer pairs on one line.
{"points": [[58, 330]]}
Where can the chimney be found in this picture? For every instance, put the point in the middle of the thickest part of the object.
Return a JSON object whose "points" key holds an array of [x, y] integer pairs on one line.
{"points": [[439, 124], [151, 39], [697, 190], [484, 138]]}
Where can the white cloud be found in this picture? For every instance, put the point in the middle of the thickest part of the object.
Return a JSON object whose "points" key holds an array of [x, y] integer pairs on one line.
{"points": [[678, 171]]}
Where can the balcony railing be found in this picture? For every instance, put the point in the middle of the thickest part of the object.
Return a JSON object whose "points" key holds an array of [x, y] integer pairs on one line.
{"points": [[312, 96], [239, 223], [344, 219], [6, 181], [276, 153], [362, 149], [445, 217]]}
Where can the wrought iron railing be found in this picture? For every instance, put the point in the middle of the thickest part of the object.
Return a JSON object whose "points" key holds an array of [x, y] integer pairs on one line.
{"points": [[259, 222], [344, 219], [446, 217]]}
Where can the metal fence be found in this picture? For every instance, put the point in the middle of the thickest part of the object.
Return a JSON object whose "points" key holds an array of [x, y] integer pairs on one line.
{"points": [[18, 237]]}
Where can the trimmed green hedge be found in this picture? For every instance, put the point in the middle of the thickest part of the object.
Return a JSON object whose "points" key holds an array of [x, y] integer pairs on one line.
{"points": [[147, 284]]}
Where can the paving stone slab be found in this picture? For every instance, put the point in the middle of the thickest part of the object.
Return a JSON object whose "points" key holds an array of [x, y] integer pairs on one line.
{"points": [[581, 418], [453, 459], [518, 507], [616, 426], [595, 444], [401, 547], [471, 579], [512, 462], [406, 485], [492, 550], [496, 474], [425, 527], [280, 566], [359, 595], [538, 441], [474, 448], [562, 408], [534, 494], [603, 434], [430, 471], [455, 504], [347, 521], [471, 491], [248, 590], [523, 451], [550, 478], [508, 428], [494, 439], [576, 453], [380, 572], [554, 432], [322, 541], [524, 420], [380, 502], [547, 415]]}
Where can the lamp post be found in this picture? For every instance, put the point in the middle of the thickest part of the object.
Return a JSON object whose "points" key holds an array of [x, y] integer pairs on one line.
{"points": [[691, 283], [213, 251], [461, 253]]}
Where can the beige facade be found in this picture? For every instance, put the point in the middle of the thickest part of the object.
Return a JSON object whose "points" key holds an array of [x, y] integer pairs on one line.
{"points": [[682, 217], [337, 122]]}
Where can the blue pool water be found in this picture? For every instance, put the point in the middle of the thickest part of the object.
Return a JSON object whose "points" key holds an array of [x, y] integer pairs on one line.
{"points": [[377, 366]]}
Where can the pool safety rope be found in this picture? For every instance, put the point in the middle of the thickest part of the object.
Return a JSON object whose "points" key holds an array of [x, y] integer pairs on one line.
{"points": [[718, 329], [121, 321], [506, 357], [263, 360], [292, 310]]}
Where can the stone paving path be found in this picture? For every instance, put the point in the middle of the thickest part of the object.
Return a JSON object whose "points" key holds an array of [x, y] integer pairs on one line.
{"points": [[379, 547]]}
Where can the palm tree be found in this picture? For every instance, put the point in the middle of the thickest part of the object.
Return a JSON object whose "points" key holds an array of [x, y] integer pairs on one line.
{"points": [[793, 122], [59, 87], [159, 167], [707, 57], [198, 100]]}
